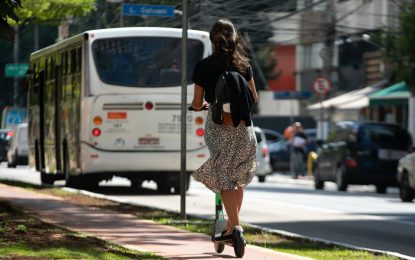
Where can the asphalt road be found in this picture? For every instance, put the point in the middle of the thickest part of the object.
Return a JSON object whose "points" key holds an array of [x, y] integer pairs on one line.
{"points": [[359, 217]]}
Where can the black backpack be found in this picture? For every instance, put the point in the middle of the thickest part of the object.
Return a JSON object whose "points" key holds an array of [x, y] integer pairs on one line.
{"points": [[233, 88]]}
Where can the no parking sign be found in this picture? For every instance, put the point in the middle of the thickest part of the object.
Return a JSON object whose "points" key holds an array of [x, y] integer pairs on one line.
{"points": [[321, 85]]}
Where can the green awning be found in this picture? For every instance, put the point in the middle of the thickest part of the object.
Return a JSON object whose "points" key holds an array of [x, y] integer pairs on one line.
{"points": [[397, 94]]}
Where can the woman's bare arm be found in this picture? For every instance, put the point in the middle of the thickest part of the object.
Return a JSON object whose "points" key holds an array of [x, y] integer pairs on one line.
{"points": [[252, 87], [198, 102]]}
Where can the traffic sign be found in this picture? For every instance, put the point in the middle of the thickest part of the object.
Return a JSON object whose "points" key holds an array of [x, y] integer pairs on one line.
{"points": [[321, 85], [16, 69], [149, 10], [292, 94]]}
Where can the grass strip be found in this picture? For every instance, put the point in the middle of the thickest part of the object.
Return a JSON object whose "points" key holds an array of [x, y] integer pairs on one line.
{"points": [[25, 237]]}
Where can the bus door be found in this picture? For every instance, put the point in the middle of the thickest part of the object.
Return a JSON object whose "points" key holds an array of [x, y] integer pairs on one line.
{"points": [[41, 137], [58, 117]]}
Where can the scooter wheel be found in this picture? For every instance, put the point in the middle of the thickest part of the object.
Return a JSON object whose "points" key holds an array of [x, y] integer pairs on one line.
{"points": [[219, 247], [238, 243]]}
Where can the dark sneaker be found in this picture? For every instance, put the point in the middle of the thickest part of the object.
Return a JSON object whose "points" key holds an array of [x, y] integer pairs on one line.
{"points": [[238, 242]]}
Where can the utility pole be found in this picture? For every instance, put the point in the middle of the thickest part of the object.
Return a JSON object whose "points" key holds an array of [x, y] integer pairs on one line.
{"points": [[327, 54], [183, 172], [330, 38], [16, 60]]}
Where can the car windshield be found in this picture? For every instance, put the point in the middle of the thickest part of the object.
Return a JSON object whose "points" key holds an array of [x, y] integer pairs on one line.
{"points": [[385, 136], [272, 136], [144, 61]]}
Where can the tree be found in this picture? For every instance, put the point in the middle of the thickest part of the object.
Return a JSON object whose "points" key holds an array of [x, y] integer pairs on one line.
{"points": [[7, 11], [399, 46], [30, 14], [54, 11]]}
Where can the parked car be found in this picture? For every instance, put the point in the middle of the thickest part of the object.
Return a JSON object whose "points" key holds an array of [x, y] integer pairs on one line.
{"points": [[5, 136], [361, 153], [280, 150], [406, 177], [262, 155], [17, 153]]}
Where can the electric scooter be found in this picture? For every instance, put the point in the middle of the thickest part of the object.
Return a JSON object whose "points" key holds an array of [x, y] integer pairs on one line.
{"points": [[235, 240]]}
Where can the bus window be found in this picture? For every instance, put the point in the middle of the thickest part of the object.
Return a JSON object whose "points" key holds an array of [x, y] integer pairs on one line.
{"points": [[74, 61], [144, 61]]}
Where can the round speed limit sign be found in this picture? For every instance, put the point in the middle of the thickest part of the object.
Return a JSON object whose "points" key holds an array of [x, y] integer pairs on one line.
{"points": [[321, 85]]}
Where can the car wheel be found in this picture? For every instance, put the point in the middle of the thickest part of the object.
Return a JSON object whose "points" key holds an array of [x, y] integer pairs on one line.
{"points": [[405, 192], [11, 164], [341, 180], [318, 183], [261, 178], [381, 189]]}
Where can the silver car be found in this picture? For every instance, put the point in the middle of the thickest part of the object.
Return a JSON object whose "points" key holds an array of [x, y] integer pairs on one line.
{"points": [[19, 148], [406, 177], [262, 155]]}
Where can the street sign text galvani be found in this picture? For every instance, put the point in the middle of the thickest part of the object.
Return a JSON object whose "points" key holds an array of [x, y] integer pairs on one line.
{"points": [[149, 10]]}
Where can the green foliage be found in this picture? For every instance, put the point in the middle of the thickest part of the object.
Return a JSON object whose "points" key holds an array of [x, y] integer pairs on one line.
{"points": [[399, 46], [7, 11], [21, 228], [268, 62], [54, 10]]}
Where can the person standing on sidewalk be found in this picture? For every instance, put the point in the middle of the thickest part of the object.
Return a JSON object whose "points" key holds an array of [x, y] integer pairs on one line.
{"points": [[232, 163], [299, 142]]}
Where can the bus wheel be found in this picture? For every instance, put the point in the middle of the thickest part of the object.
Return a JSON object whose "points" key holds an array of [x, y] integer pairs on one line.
{"points": [[69, 180], [89, 182], [136, 183], [164, 187], [45, 178], [176, 186]]}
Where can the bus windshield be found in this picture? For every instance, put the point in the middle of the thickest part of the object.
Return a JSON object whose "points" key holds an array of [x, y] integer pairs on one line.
{"points": [[144, 61]]}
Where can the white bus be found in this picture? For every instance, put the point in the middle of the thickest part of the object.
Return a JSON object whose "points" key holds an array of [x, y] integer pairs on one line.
{"points": [[107, 103]]}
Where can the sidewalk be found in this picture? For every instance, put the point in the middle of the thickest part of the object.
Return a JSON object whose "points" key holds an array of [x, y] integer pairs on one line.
{"points": [[127, 230]]}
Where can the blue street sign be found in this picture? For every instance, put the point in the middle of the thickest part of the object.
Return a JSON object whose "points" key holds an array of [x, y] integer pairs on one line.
{"points": [[149, 10], [292, 94]]}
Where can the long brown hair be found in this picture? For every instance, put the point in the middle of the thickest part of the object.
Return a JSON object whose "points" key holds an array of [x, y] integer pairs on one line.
{"points": [[228, 46]]}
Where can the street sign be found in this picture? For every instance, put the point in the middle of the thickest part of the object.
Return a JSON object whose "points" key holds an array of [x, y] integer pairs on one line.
{"points": [[321, 85], [16, 69], [292, 94], [148, 10]]}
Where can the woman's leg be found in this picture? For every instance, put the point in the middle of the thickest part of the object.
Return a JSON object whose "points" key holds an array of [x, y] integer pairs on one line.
{"points": [[232, 200], [240, 197]]}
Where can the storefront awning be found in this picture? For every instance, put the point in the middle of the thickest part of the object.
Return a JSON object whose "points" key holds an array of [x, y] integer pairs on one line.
{"points": [[397, 94], [355, 99]]}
